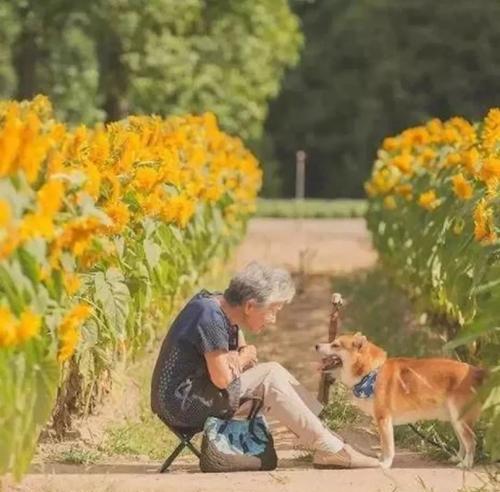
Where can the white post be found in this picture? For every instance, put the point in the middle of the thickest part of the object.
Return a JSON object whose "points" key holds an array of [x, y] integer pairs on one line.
{"points": [[300, 176], [300, 185]]}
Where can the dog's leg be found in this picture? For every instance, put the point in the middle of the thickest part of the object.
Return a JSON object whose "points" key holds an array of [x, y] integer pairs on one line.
{"points": [[463, 425], [465, 434], [459, 457], [386, 432]]}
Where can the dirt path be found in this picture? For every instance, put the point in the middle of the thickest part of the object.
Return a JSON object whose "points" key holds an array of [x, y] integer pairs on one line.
{"points": [[332, 246], [318, 245]]}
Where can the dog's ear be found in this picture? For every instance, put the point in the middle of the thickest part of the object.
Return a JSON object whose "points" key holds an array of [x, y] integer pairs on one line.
{"points": [[359, 341]]}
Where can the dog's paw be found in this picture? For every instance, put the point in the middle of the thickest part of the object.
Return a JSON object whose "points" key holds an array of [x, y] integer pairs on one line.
{"points": [[385, 463], [465, 464]]}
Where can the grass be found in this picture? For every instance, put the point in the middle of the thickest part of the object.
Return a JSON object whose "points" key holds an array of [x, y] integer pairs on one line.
{"points": [[340, 412], [442, 433], [144, 438], [311, 208], [78, 455]]}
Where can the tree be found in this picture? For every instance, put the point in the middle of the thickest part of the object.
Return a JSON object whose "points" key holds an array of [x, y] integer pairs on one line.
{"points": [[372, 68], [7, 35], [106, 58], [48, 50]]}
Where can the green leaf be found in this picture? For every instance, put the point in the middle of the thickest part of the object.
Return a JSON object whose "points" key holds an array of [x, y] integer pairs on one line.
{"points": [[29, 383], [114, 297], [41, 300], [152, 252], [8, 288], [176, 233], [481, 289], [469, 335], [29, 266], [119, 245], [68, 262], [55, 285], [90, 335], [38, 249]]}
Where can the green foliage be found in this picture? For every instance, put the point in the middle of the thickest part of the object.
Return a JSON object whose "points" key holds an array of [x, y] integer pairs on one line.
{"points": [[77, 455], [371, 68], [7, 34], [310, 208], [27, 382], [113, 296], [440, 441], [103, 59], [491, 408], [340, 412]]}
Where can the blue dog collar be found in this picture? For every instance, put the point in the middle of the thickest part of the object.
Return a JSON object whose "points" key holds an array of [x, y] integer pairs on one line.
{"points": [[366, 387]]}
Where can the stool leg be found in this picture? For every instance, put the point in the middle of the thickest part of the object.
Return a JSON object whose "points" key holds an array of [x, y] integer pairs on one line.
{"points": [[172, 457], [193, 449]]}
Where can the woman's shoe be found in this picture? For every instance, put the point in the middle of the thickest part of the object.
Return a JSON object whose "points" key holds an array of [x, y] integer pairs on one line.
{"points": [[347, 457]]}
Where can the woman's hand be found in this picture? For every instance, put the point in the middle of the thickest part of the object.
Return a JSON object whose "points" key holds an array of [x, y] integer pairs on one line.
{"points": [[224, 367], [247, 356]]}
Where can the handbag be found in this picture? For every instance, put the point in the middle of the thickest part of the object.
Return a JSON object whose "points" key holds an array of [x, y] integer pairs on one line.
{"points": [[238, 445]]}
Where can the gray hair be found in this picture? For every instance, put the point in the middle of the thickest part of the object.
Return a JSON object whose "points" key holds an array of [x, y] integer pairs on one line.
{"points": [[264, 284]]}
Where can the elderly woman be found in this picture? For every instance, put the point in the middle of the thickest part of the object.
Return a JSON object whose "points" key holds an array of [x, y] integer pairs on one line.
{"points": [[204, 368]]}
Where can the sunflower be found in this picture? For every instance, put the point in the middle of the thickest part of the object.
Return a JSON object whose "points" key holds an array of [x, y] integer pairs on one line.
{"points": [[119, 213], [71, 283], [145, 178], [5, 213], [29, 326], [50, 197], [462, 187], [390, 202], [429, 200], [490, 169], [8, 332], [484, 225], [68, 331]]}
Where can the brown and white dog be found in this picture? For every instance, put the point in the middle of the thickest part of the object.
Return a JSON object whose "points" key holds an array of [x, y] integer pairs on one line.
{"points": [[398, 391]]}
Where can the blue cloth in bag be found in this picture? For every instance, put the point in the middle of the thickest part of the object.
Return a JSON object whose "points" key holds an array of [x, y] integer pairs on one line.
{"points": [[238, 445]]}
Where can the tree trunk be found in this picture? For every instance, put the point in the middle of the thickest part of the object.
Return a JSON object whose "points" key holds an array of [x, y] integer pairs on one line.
{"points": [[26, 55], [113, 76]]}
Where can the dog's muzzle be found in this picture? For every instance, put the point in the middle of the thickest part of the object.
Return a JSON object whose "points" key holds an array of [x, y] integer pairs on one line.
{"points": [[329, 361]]}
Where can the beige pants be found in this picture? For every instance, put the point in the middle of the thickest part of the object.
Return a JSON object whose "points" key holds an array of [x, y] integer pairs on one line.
{"points": [[287, 401]]}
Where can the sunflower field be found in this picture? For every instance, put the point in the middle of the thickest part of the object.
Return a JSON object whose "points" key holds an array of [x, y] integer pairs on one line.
{"points": [[434, 213], [100, 230]]}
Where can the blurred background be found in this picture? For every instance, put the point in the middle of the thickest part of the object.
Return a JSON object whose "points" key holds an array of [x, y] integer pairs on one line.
{"points": [[331, 77]]}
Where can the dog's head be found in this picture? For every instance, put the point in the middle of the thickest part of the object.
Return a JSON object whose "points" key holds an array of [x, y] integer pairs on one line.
{"points": [[353, 351]]}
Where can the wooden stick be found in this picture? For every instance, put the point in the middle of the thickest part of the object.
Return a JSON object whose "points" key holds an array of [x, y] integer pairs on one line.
{"points": [[327, 379]]}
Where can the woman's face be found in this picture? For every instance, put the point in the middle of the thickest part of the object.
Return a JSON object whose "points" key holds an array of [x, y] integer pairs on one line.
{"points": [[257, 316]]}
